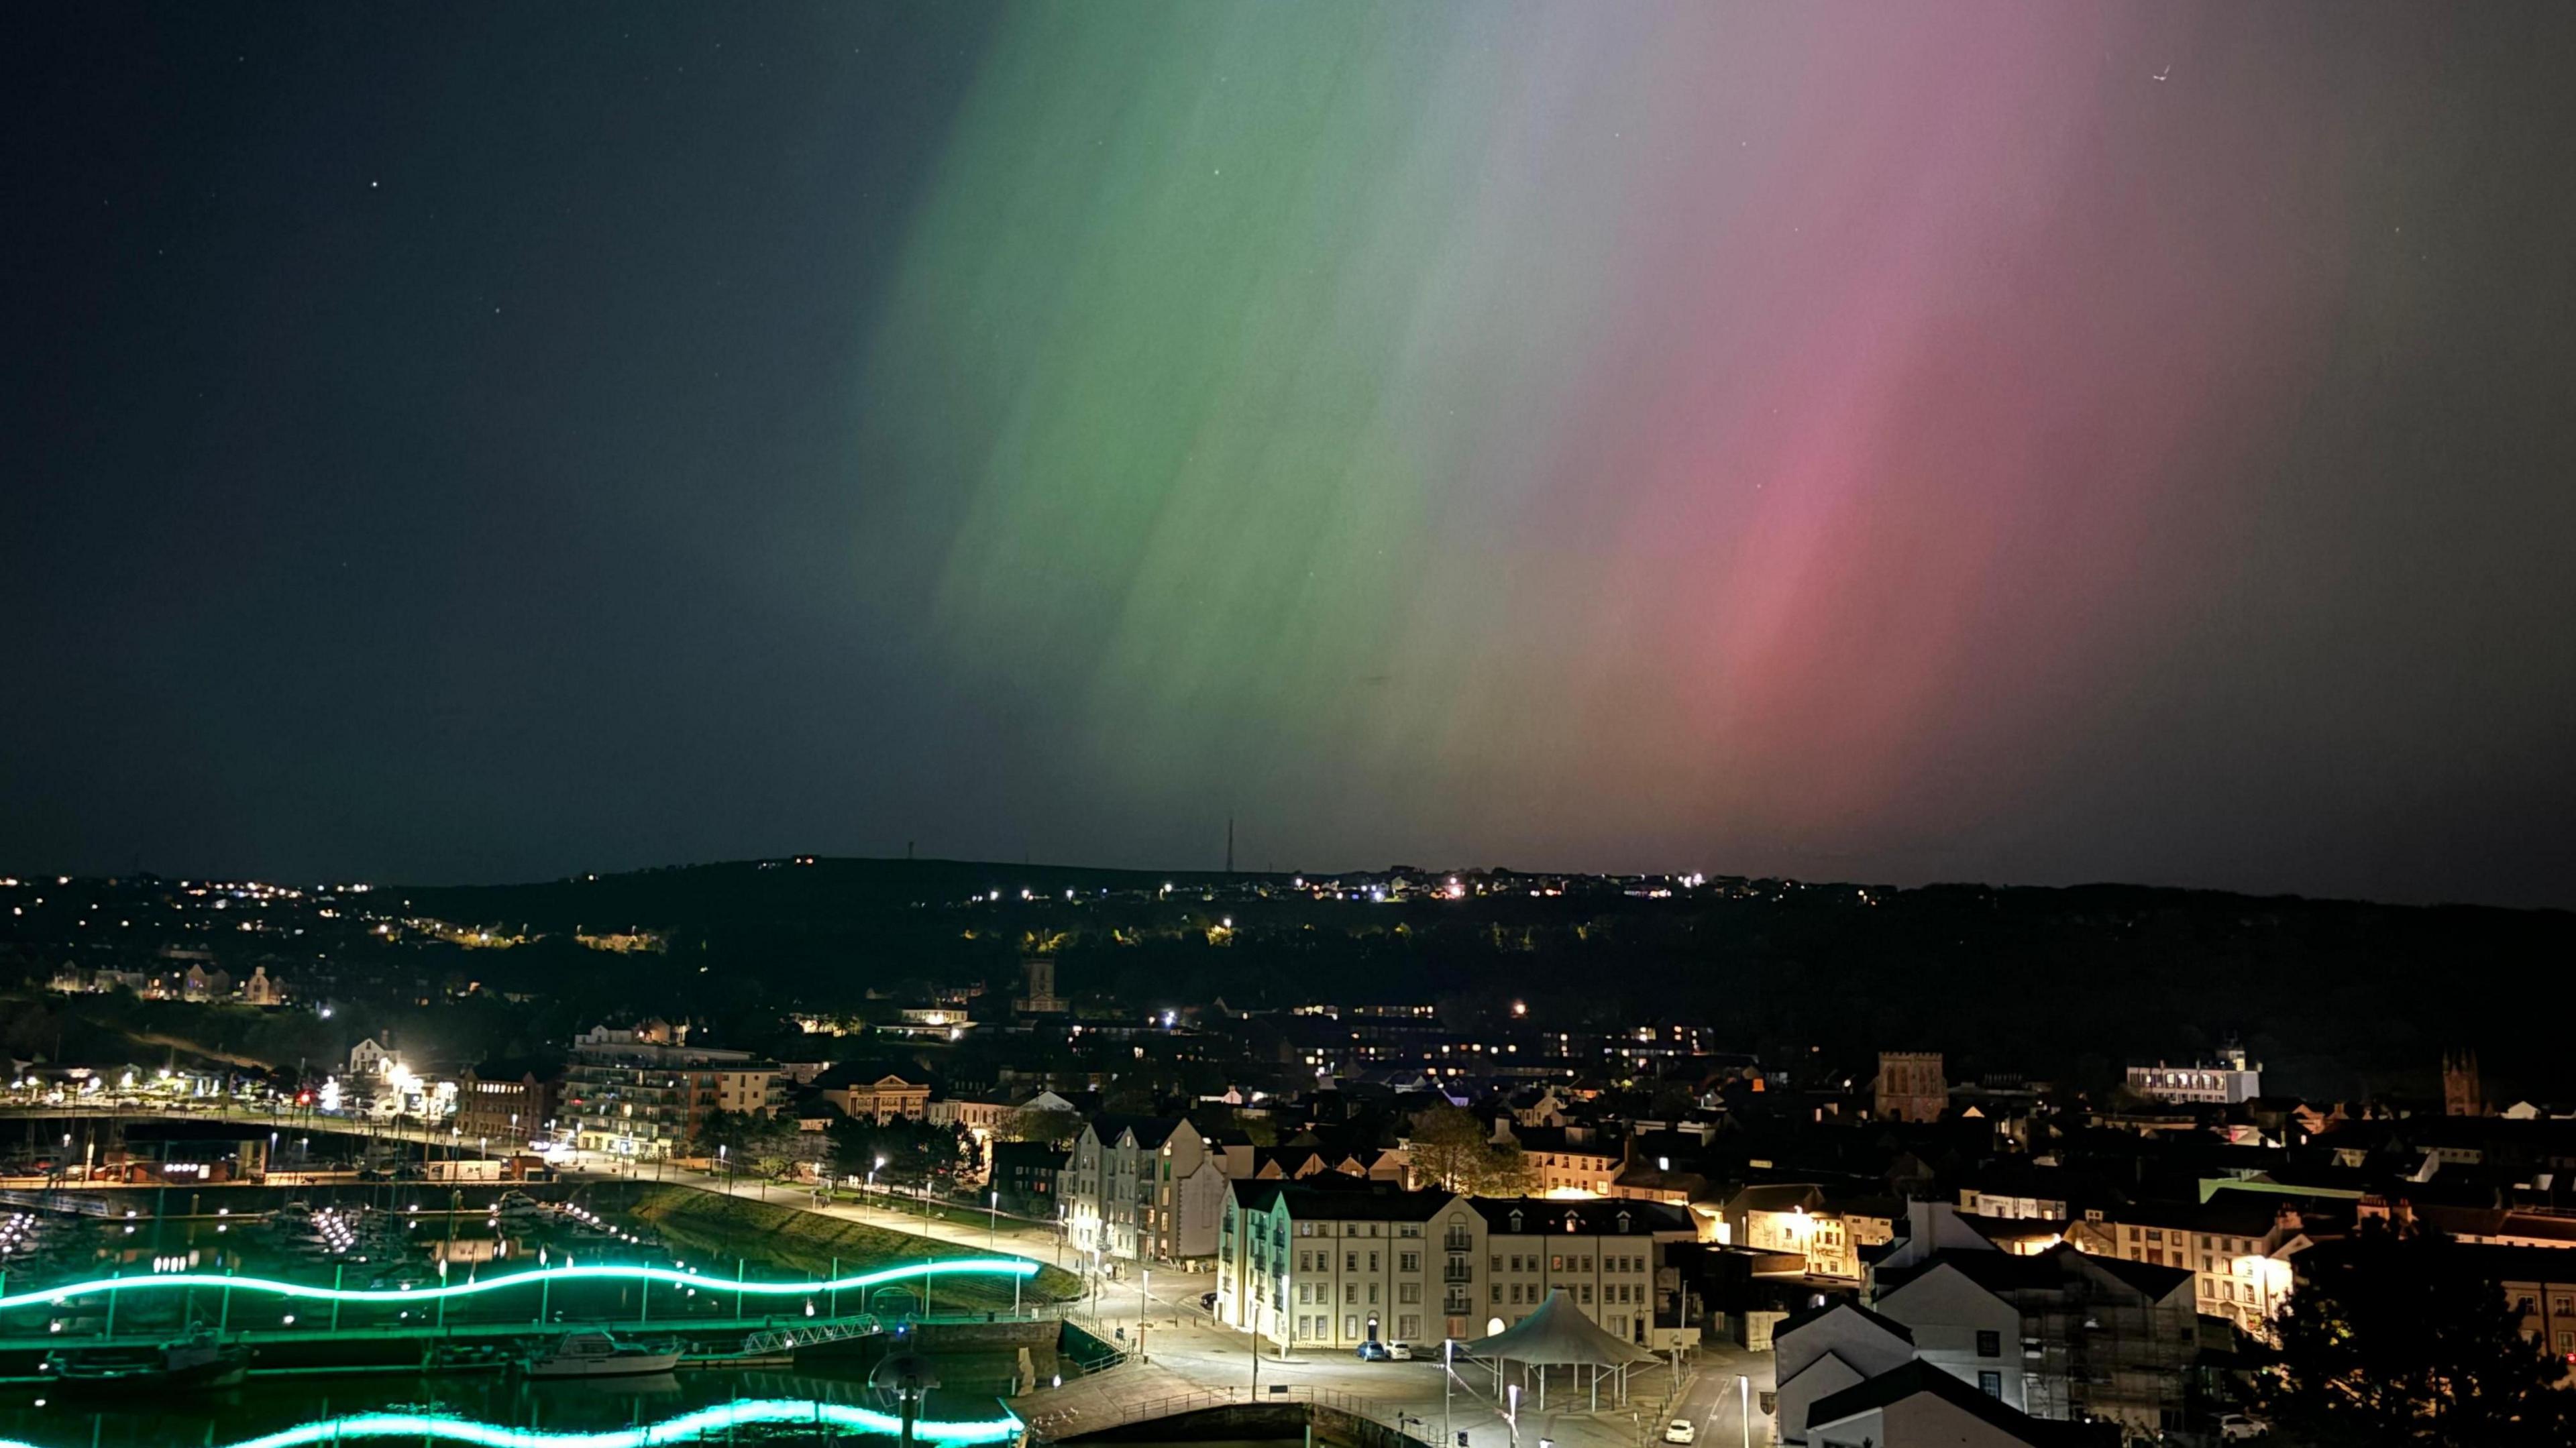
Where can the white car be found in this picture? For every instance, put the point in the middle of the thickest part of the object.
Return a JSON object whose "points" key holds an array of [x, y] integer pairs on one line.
{"points": [[1399, 1352], [1680, 1430], [2234, 1427]]}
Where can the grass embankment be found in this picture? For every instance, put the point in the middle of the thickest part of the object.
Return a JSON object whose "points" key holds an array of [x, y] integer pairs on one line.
{"points": [[797, 1241]]}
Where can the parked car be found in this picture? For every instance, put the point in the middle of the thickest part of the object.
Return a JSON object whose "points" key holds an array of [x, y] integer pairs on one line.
{"points": [[1680, 1430], [2234, 1427], [1374, 1351], [1207, 1302], [1399, 1352]]}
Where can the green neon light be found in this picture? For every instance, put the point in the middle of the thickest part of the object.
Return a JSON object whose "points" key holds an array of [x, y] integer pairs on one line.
{"points": [[164, 1281], [704, 1423]]}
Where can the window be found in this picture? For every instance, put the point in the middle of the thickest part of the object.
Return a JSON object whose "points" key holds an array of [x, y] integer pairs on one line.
{"points": [[1372, 1294], [1350, 1261], [1408, 1292], [1555, 1262], [1990, 1383], [1350, 1327], [1372, 1261], [1498, 1262], [1990, 1344], [1498, 1292], [1408, 1326], [1587, 1294], [1408, 1261]]}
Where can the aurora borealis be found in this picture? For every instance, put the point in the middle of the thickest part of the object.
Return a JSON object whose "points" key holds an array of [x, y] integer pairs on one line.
{"points": [[1890, 443]]}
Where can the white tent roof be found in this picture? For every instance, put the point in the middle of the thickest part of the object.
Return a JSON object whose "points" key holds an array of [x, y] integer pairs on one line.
{"points": [[1555, 1335]]}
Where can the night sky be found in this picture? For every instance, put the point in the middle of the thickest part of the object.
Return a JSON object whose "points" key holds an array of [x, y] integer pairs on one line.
{"points": [[2032, 443]]}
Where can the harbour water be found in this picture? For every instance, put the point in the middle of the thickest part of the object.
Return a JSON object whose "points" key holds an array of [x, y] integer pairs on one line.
{"points": [[729, 1406]]}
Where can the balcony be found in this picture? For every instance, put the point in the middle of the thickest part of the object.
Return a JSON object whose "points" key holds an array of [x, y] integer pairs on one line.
{"points": [[1458, 1272], [1457, 1242]]}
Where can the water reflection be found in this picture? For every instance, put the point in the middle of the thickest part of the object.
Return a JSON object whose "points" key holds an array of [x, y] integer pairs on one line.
{"points": [[769, 1419], [669, 1408]]}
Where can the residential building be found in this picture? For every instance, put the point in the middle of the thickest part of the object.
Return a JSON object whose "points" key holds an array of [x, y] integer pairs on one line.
{"points": [[982, 1119], [1333, 1266], [2237, 1250], [1919, 1406], [261, 989], [1799, 1217], [509, 1101], [645, 1093], [1606, 1256], [368, 1058], [1911, 1086], [1024, 1175], [1566, 1161], [870, 1093], [1824, 1350], [1145, 1189], [2060, 1335]]}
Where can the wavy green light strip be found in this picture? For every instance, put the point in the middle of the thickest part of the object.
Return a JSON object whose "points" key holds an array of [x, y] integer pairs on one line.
{"points": [[685, 1428], [163, 1281]]}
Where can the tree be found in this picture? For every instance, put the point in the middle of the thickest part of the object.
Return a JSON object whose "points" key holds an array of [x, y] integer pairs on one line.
{"points": [[1450, 1148], [1502, 1170], [1053, 1127], [2402, 1342]]}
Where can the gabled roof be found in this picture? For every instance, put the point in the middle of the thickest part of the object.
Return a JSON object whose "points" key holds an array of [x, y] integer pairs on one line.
{"points": [[1333, 1197], [1602, 1217], [1898, 1384], [2002, 1272], [1151, 1131], [1797, 1320]]}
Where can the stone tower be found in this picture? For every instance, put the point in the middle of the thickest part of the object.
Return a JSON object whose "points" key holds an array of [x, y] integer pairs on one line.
{"points": [[2463, 1094], [1911, 1087]]}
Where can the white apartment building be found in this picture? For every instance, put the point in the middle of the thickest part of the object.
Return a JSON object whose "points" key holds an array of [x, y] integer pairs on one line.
{"points": [[1335, 1266], [1334, 1263], [1147, 1189]]}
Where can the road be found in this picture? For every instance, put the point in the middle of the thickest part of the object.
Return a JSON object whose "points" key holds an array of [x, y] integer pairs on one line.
{"points": [[1160, 1309]]}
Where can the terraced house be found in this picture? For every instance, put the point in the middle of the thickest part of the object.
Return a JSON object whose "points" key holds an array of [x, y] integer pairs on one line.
{"points": [[1333, 1262], [1147, 1189]]}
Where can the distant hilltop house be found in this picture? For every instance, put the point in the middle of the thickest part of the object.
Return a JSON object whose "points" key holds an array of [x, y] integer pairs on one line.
{"points": [[370, 1058]]}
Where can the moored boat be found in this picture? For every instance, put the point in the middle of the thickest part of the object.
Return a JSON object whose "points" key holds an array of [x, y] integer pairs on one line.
{"points": [[598, 1355], [197, 1360]]}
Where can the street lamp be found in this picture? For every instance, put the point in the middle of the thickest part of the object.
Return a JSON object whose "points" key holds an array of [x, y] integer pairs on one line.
{"points": [[992, 1217]]}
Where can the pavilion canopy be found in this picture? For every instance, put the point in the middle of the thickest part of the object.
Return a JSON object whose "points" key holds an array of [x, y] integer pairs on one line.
{"points": [[1555, 1335]]}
